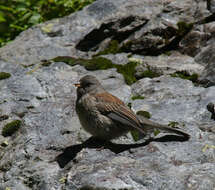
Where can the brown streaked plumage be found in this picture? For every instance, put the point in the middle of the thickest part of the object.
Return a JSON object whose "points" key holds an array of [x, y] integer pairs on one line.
{"points": [[105, 116]]}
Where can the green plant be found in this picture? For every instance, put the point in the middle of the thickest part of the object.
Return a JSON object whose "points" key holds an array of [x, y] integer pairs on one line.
{"points": [[18, 15], [144, 114], [135, 135], [149, 73], [173, 124], [4, 75], [186, 75], [112, 48], [183, 28], [11, 128], [137, 97]]}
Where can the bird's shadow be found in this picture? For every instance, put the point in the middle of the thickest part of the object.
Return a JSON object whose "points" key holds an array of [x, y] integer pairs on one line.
{"points": [[70, 152]]}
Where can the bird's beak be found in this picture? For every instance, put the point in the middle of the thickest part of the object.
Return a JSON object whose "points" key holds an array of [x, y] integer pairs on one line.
{"points": [[77, 85]]}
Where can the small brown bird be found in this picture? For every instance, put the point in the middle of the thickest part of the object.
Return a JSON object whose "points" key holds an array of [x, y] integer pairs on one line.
{"points": [[105, 116]]}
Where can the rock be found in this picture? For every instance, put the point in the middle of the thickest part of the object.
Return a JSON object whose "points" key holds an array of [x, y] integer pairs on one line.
{"points": [[152, 26], [206, 57], [194, 41], [48, 97], [211, 5], [11, 127], [210, 108], [118, 59], [4, 75], [167, 97], [209, 28], [41, 94], [168, 64]]}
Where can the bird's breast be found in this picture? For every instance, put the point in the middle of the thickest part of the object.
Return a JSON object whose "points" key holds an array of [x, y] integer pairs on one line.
{"points": [[94, 122]]}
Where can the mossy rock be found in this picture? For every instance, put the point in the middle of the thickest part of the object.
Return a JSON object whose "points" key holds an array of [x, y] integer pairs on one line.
{"points": [[101, 63], [183, 28], [126, 47], [137, 97], [46, 63], [156, 132], [96, 63], [4, 75], [167, 53], [135, 135], [11, 128], [149, 74], [128, 71], [173, 124], [144, 114], [185, 75], [112, 48]]}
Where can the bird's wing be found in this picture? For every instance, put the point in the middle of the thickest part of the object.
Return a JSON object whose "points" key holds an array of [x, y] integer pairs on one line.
{"points": [[116, 110]]}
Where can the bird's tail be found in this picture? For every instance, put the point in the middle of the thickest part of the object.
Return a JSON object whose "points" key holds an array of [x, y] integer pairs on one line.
{"points": [[148, 124]]}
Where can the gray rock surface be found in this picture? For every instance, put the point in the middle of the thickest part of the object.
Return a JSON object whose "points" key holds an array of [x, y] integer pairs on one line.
{"points": [[206, 57], [168, 64], [43, 97], [144, 22], [196, 39]]}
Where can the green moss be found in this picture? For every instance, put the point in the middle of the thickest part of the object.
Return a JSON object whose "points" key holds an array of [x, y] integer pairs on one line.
{"points": [[46, 63], [137, 97], [96, 63], [112, 48], [128, 72], [167, 53], [129, 104], [126, 46], [149, 73], [135, 135], [144, 114], [101, 63], [11, 128], [185, 75], [156, 132], [183, 28], [4, 75], [67, 59], [173, 124]]}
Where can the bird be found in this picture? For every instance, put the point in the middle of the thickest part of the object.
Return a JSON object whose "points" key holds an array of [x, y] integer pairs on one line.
{"points": [[106, 117]]}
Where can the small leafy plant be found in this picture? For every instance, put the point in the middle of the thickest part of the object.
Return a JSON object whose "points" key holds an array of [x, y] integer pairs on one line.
{"points": [[18, 15]]}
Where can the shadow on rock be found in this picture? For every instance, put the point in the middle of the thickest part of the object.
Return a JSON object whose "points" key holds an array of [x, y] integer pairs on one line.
{"points": [[70, 152]]}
